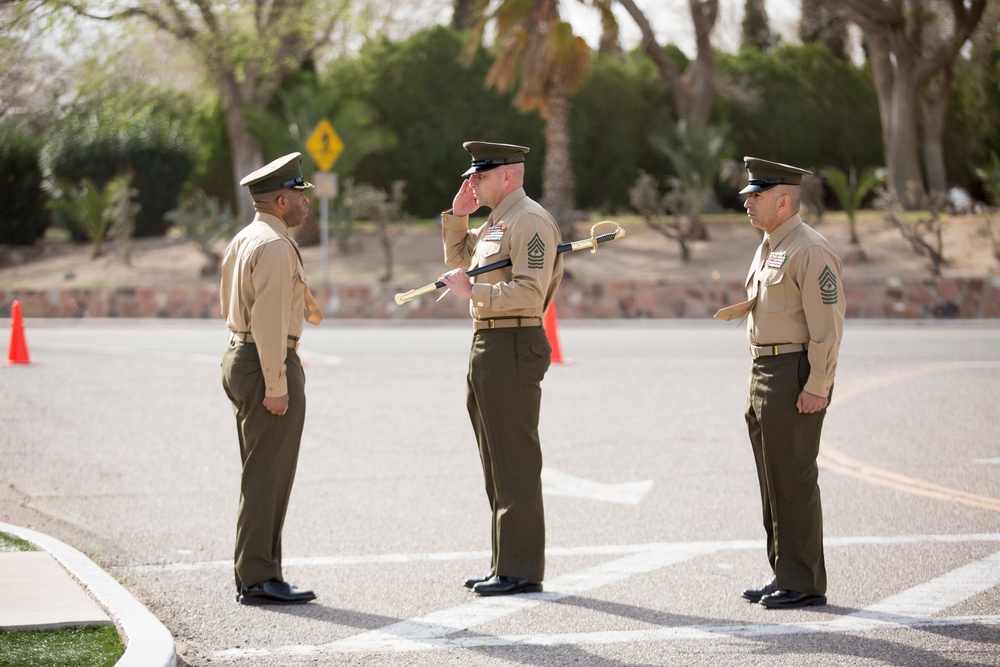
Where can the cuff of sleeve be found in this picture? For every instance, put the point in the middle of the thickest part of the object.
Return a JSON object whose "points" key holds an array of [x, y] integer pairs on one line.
{"points": [[454, 222], [277, 388], [818, 386], [481, 295]]}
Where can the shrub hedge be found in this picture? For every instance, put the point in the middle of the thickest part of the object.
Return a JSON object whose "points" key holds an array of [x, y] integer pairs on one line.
{"points": [[150, 144], [23, 216]]}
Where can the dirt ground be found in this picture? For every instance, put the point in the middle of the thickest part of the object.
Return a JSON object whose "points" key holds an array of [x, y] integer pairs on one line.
{"points": [[641, 255]]}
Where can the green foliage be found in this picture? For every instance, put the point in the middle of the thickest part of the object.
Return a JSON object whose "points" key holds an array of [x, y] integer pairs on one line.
{"points": [[9, 543], [83, 207], [97, 211], [972, 129], [403, 109], [990, 177], [212, 169], [696, 154], [99, 145], [288, 123], [71, 647], [611, 121], [755, 30], [23, 217], [205, 222], [851, 191], [800, 105], [431, 104]]}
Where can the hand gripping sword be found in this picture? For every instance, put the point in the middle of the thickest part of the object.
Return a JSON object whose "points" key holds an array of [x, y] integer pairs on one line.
{"points": [[591, 243]]}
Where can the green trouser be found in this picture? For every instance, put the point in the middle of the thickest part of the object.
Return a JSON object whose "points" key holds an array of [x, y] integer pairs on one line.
{"points": [[506, 367], [785, 446], [269, 448]]}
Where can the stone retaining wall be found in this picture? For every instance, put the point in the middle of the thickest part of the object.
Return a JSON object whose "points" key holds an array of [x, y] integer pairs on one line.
{"points": [[902, 298]]}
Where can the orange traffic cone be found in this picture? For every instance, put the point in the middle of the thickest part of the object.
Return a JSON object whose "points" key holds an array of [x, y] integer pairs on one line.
{"points": [[18, 352], [551, 325]]}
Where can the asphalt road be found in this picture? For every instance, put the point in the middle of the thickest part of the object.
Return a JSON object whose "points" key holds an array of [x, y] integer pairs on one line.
{"points": [[118, 439]]}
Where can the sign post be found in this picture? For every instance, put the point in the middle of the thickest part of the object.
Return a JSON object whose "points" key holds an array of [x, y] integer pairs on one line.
{"points": [[325, 146]]}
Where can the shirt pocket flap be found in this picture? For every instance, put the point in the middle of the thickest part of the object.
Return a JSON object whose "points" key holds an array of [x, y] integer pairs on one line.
{"points": [[488, 248], [772, 278]]}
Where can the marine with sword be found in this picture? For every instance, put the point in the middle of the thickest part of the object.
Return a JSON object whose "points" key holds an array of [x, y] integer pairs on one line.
{"points": [[510, 352], [514, 270]]}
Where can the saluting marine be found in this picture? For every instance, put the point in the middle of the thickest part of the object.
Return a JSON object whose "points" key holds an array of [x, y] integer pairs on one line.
{"points": [[510, 352], [795, 322]]}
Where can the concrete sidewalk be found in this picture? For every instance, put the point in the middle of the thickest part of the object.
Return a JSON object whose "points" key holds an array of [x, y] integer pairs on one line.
{"points": [[58, 587]]}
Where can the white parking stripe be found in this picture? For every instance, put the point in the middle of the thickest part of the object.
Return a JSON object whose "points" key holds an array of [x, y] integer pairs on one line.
{"points": [[932, 597], [431, 631], [601, 550]]}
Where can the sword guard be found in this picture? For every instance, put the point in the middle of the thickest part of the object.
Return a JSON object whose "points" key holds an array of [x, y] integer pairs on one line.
{"points": [[619, 232]]}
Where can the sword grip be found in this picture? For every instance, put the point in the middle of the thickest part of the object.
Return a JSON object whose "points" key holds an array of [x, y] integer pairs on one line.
{"points": [[414, 293]]}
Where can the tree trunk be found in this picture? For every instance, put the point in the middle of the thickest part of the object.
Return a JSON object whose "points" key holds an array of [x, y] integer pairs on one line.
{"points": [[700, 76], [892, 70], [247, 155], [557, 172], [903, 158], [911, 42], [694, 92], [933, 108]]}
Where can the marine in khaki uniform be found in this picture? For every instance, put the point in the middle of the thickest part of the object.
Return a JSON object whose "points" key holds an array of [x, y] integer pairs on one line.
{"points": [[795, 322], [510, 352], [264, 303]]}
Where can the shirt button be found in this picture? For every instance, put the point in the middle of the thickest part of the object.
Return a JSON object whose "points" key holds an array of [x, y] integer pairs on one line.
{"points": [[479, 303]]}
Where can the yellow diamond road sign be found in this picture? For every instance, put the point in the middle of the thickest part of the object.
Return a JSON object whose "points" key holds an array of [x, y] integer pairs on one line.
{"points": [[324, 145]]}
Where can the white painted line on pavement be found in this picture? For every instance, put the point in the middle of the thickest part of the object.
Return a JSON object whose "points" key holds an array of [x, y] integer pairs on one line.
{"points": [[685, 633], [556, 483], [599, 550], [431, 631], [427, 631], [931, 597]]}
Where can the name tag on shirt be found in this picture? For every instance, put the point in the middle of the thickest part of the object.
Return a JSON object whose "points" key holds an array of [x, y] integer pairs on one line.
{"points": [[776, 259], [495, 232]]}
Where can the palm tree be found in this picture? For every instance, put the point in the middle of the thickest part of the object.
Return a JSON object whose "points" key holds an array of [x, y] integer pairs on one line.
{"points": [[538, 52], [851, 192], [697, 153]]}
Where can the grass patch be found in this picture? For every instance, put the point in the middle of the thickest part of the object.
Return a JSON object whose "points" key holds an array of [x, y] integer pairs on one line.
{"points": [[70, 647], [9, 543]]}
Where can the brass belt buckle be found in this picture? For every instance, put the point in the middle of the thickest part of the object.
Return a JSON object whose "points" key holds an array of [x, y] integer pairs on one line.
{"points": [[493, 324], [775, 350]]}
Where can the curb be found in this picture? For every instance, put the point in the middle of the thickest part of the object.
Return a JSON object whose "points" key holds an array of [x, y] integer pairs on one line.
{"points": [[148, 643]]}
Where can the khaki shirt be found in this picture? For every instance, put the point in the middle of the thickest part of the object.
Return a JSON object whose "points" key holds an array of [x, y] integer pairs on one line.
{"points": [[264, 293], [795, 295], [519, 229]]}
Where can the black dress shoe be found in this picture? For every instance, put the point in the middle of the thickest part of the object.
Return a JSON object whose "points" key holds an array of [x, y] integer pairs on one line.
{"points": [[503, 585], [472, 581], [273, 592], [791, 600], [755, 594]]}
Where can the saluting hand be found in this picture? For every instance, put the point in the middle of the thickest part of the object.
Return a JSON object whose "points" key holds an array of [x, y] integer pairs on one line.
{"points": [[465, 201]]}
